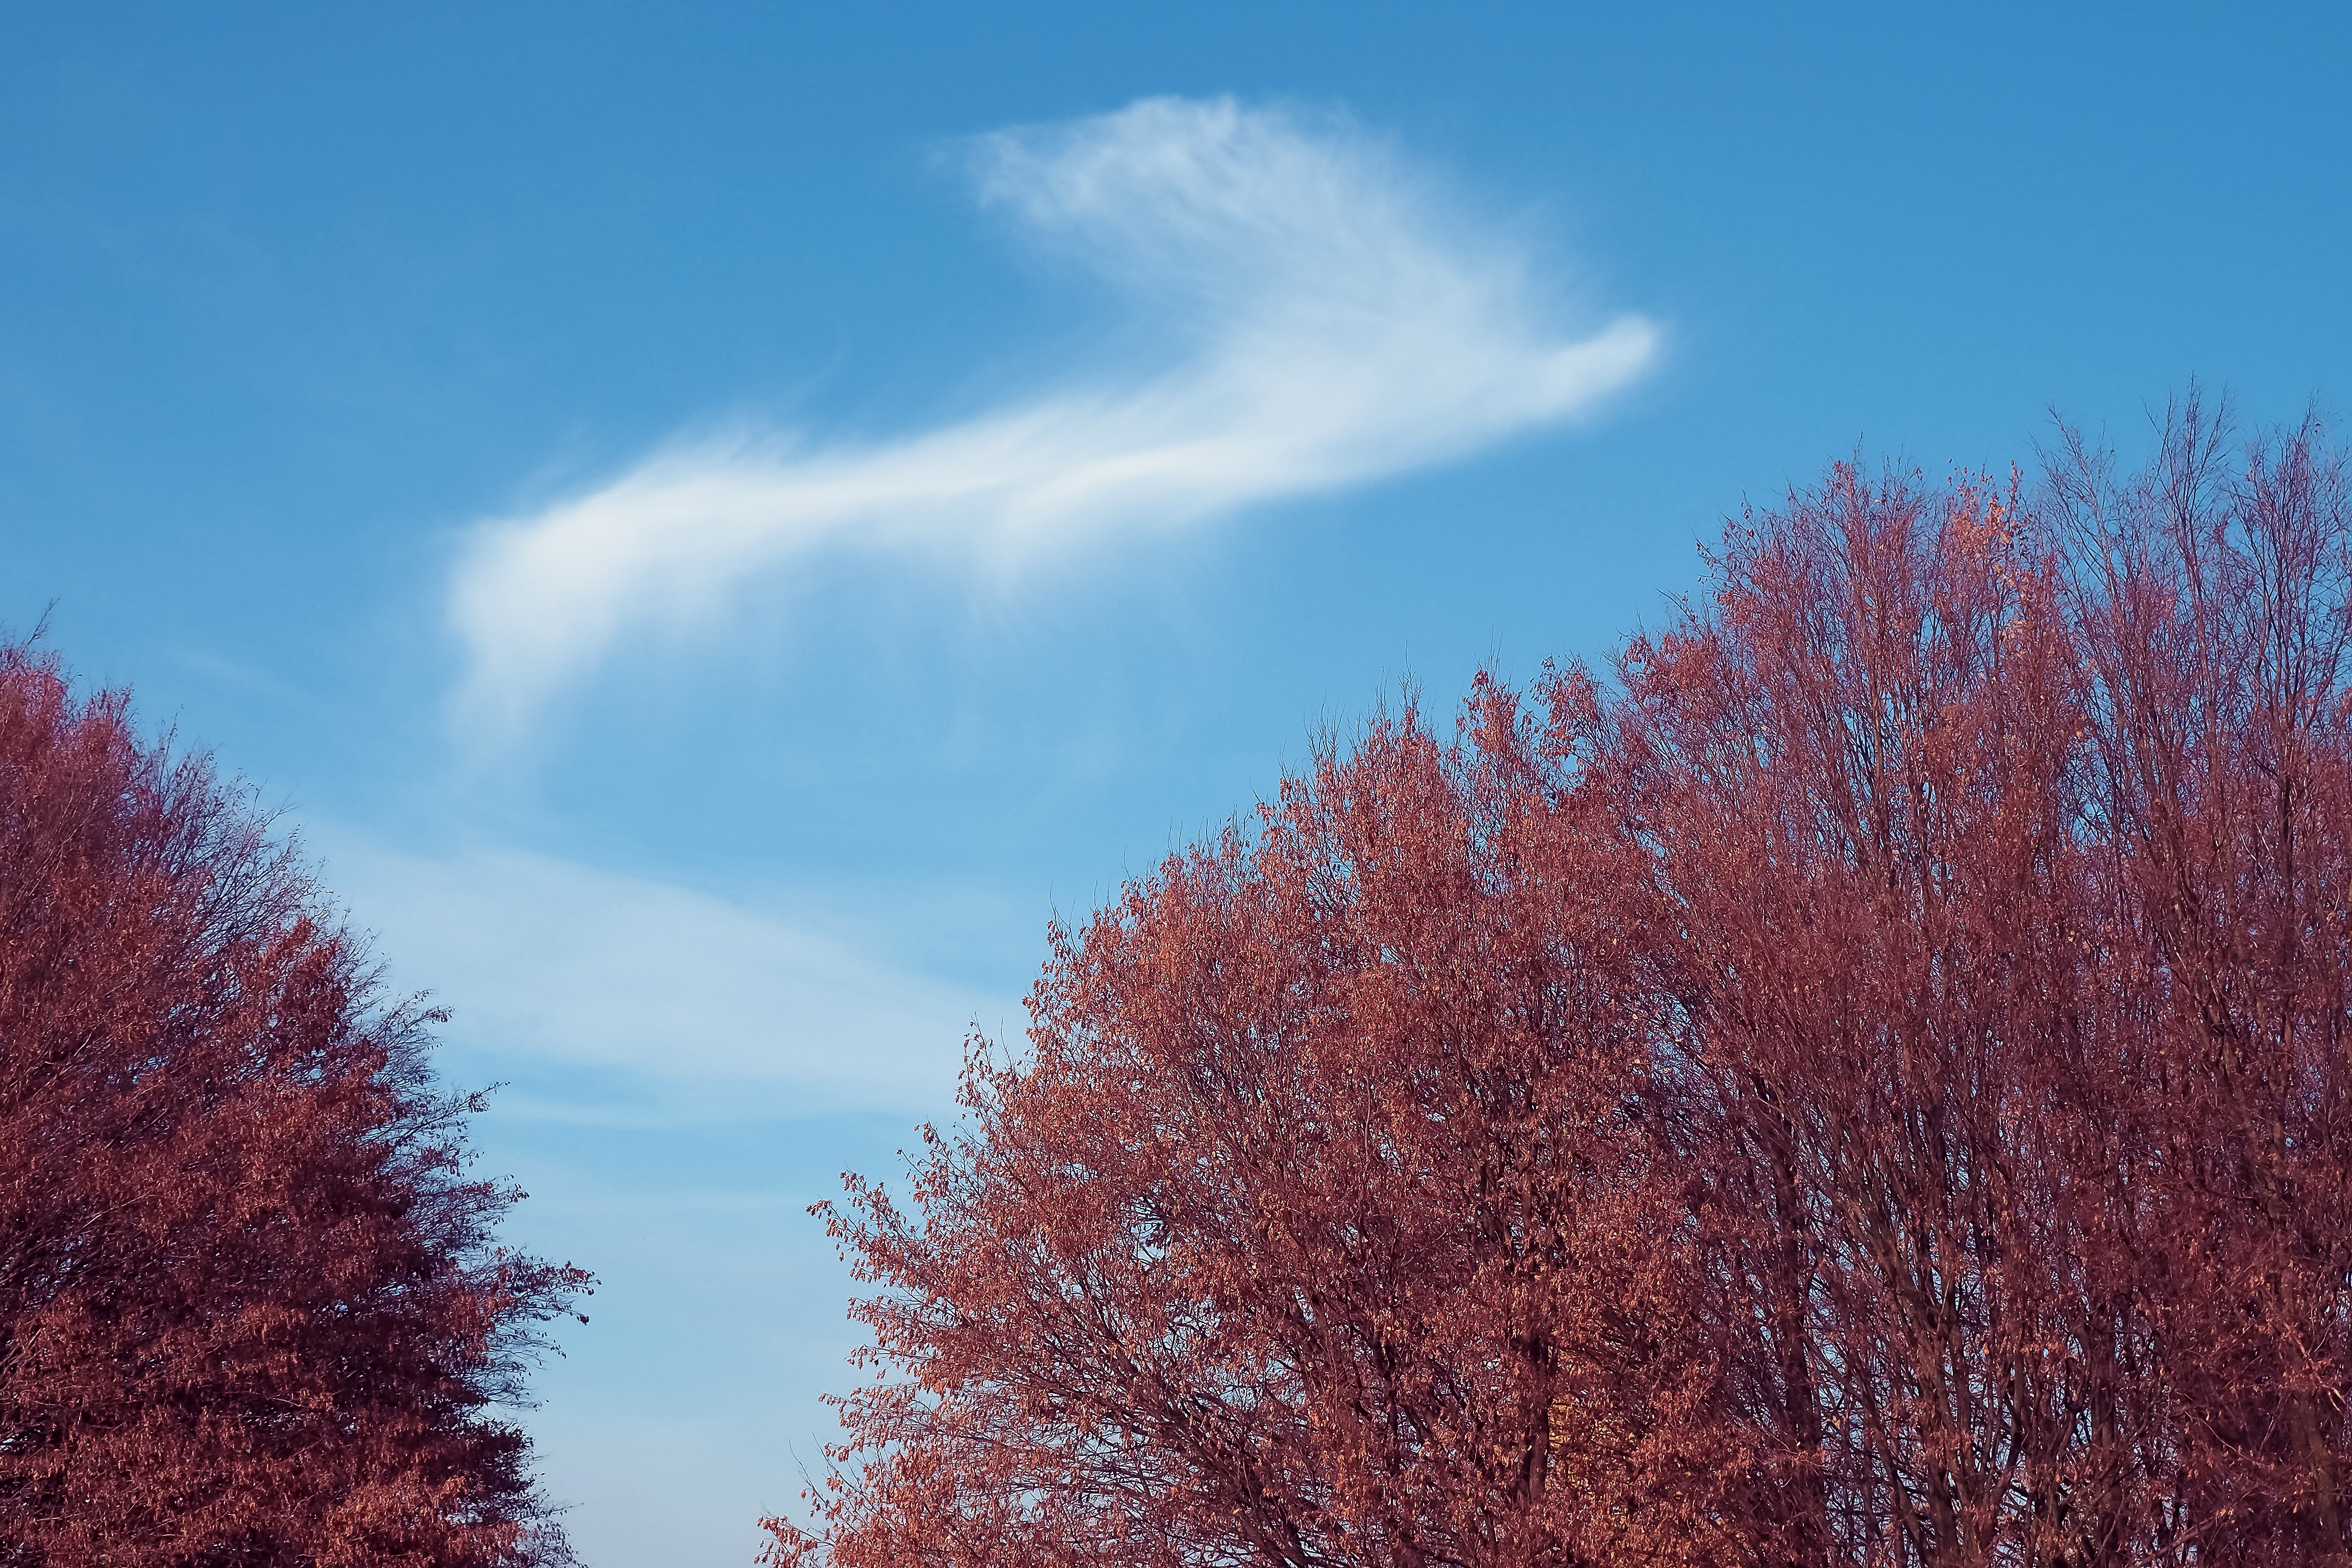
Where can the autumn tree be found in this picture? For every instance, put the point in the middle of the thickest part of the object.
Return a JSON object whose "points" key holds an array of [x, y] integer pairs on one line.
{"points": [[252, 1307], [2210, 593], [1863, 779], [2008, 836], [1318, 1226], [1867, 1086]]}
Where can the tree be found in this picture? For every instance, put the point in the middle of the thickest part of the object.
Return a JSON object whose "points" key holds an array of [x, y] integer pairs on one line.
{"points": [[252, 1309], [1870, 1088], [1318, 1226], [2211, 597], [2010, 843], [1861, 777]]}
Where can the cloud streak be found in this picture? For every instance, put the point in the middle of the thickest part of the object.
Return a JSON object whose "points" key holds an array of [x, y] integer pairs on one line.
{"points": [[1335, 321], [658, 999]]}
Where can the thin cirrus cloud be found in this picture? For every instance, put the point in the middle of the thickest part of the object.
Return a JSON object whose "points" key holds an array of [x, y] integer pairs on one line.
{"points": [[1339, 321], [658, 999]]}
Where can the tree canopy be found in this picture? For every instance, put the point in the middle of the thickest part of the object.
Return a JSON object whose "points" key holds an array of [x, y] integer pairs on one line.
{"points": [[1863, 1082], [252, 1307]]}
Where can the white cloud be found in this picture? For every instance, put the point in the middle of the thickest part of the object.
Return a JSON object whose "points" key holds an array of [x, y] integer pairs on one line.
{"points": [[673, 1002], [1339, 321]]}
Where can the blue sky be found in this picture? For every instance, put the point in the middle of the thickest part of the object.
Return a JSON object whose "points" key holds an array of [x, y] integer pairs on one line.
{"points": [[714, 523]]}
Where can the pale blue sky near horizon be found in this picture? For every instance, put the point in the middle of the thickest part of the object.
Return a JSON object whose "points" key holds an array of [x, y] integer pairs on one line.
{"points": [[715, 521]]}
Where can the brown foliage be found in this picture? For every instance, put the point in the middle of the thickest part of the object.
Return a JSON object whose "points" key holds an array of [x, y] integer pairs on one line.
{"points": [[1316, 1227], [1870, 1089], [251, 1311]]}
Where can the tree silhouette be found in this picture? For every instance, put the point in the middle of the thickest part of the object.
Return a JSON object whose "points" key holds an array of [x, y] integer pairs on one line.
{"points": [[252, 1311]]}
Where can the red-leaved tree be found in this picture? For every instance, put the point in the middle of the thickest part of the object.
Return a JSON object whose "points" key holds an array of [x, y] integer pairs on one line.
{"points": [[1320, 1223], [1868, 1087], [252, 1310]]}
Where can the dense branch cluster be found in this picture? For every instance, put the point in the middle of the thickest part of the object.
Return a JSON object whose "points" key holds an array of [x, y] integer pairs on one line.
{"points": [[1867, 1085], [252, 1312]]}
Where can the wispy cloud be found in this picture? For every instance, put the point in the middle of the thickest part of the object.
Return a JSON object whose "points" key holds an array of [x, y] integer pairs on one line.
{"points": [[1339, 320], [641, 998]]}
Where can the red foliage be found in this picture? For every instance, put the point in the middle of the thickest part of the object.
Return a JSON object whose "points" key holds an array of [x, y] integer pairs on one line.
{"points": [[1872, 1089], [251, 1311]]}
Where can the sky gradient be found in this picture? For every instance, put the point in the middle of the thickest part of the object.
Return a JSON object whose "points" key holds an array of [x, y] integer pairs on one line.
{"points": [[714, 523]]}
